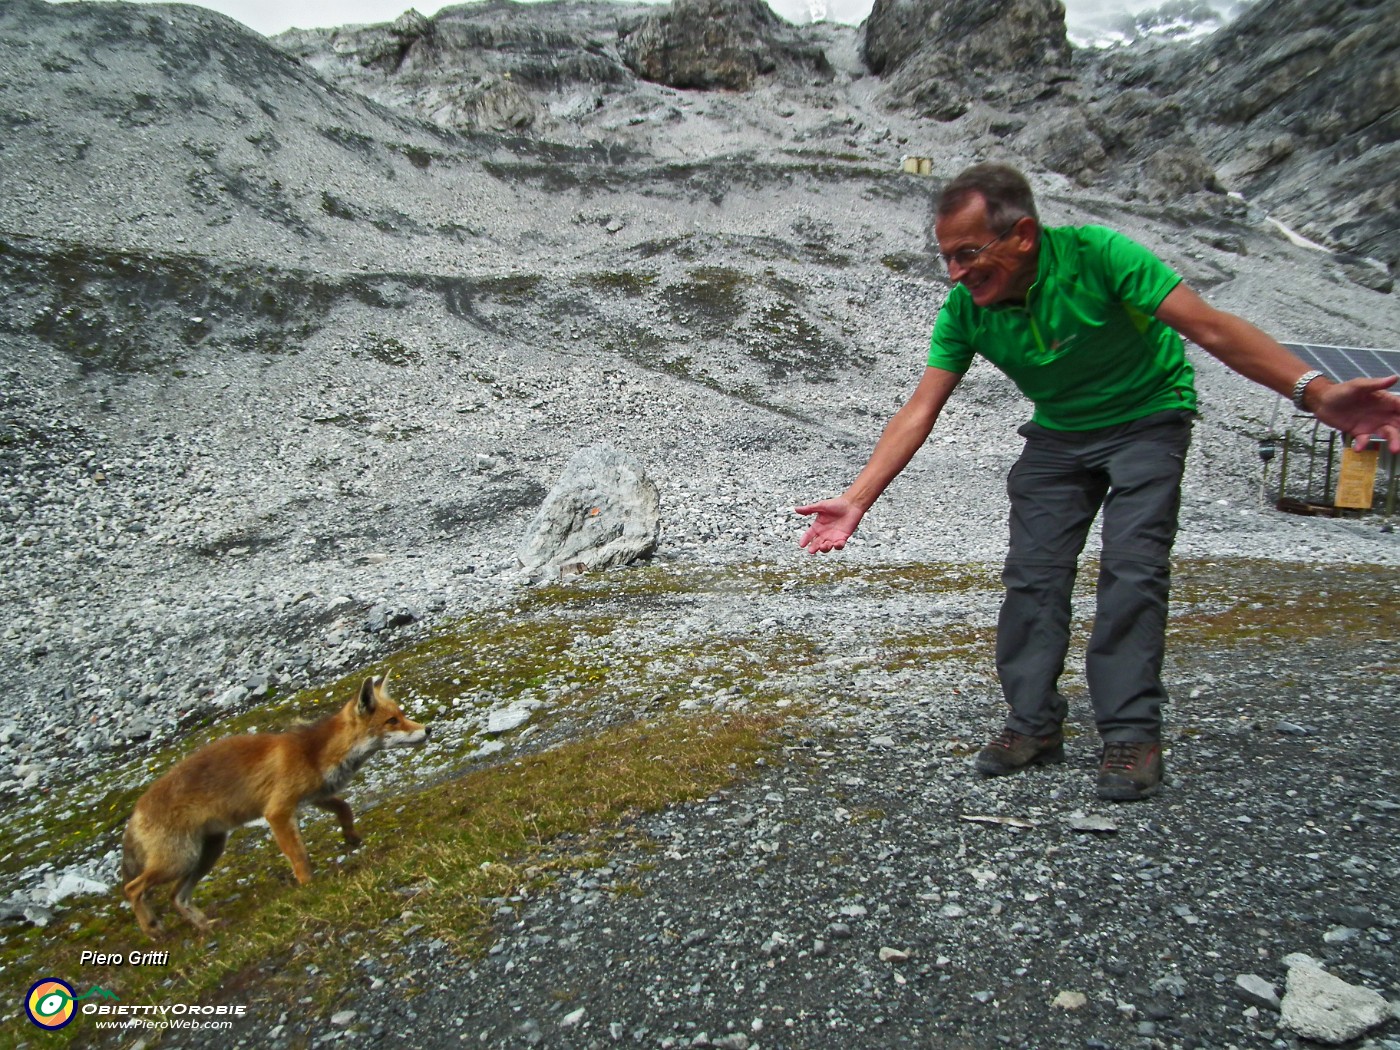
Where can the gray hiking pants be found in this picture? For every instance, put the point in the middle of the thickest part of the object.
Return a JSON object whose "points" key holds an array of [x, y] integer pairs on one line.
{"points": [[1057, 487]]}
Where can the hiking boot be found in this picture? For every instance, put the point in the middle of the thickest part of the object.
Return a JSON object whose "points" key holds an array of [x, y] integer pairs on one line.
{"points": [[1012, 751], [1130, 770]]}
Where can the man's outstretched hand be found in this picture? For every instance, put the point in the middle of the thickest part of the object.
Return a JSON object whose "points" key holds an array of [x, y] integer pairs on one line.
{"points": [[836, 522], [1363, 408]]}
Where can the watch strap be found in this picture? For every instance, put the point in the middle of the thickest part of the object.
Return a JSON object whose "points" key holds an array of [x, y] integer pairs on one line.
{"points": [[1302, 385]]}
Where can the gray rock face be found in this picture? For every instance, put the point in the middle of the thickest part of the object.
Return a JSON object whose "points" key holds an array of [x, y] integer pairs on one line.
{"points": [[1320, 1006], [489, 66], [718, 44], [604, 511], [1296, 104], [941, 55], [1304, 99], [1293, 105]]}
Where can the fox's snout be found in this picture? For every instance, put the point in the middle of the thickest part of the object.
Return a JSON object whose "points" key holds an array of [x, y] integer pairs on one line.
{"points": [[414, 735]]}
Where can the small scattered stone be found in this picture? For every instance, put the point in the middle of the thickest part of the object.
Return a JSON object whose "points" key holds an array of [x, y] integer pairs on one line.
{"points": [[1172, 984], [1068, 1000], [1255, 990], [1096, 824]]}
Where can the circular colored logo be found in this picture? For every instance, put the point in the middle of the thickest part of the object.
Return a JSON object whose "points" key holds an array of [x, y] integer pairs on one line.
{"points": [[50, 1003]]}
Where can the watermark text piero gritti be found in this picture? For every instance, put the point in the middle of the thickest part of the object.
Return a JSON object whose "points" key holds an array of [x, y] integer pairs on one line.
{"points": [[128, 959]]}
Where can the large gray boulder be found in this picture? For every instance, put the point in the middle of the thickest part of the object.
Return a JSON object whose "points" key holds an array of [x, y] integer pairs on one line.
{"points": [[941, 56], [727, 44], [603, 511]]}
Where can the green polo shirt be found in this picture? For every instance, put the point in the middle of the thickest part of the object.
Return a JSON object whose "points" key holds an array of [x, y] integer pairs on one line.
{"points": [[1084, 347]]}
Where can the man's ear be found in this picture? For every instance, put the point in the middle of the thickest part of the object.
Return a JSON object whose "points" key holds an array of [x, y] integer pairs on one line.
{"points": [[1026, 232]]}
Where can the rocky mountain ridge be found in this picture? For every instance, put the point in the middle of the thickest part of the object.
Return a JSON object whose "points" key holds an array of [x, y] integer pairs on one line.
{"points": [[1293, 105], [1298, 108]]}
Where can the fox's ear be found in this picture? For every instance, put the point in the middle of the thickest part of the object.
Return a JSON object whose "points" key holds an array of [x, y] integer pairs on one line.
{"points": [[383, 684], [367, 701]]}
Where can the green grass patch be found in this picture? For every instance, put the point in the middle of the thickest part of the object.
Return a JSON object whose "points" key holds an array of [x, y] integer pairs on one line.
{"points": [[955, 641], [714, 293], [558, 641], [1243, 601], [539, 644], [630, 283]]}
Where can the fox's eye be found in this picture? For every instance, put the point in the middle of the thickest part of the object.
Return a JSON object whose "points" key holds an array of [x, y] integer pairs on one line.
{"points": [[394, 721]]}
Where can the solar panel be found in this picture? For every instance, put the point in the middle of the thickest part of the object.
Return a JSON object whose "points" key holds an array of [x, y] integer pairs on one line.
{"points": [[1348, 362]]}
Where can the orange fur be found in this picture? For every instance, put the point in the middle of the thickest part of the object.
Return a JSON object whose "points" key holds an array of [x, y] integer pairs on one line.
{"points": [[180, 825]]}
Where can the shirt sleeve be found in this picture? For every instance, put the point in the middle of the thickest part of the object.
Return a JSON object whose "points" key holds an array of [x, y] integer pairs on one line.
{"points": [[1136, 276], [950, 347]]}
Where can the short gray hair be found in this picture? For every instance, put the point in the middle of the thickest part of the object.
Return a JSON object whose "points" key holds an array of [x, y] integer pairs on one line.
{"points": [[1006, 191]]}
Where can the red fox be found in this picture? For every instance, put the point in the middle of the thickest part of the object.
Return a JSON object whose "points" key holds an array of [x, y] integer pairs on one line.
{"points": [[179, 826]]}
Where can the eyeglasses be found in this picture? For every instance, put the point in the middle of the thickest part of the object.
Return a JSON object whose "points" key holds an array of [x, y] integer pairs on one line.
{"points": [[965, 257]]}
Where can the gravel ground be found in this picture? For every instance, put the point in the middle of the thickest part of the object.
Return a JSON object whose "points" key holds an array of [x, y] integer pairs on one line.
{"points": [[869, 889]]}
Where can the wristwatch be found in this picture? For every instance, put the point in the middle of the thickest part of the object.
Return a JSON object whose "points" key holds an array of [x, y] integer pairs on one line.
{"points": [[1302, 385]]}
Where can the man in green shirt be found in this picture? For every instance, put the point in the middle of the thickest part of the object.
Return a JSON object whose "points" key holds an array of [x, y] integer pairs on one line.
{"points": [[1086, 323]]}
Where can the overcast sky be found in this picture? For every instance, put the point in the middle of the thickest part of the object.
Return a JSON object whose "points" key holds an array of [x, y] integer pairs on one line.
{"points": [[273, 16]]}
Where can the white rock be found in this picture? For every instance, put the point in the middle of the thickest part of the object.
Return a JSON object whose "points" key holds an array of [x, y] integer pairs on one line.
{"points": [[1099, 825], [1319, 1006], [505, 720], [603, 511]]}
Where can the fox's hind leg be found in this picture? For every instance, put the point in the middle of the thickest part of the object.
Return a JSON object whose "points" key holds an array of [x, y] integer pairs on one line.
{"points": [[157, 872], [209, 853], [135, 892], [144, 869], [134, 881], [337, 805]]}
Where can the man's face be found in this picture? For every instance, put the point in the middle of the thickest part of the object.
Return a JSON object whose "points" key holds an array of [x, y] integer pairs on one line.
{"points": [[1004, 269]]}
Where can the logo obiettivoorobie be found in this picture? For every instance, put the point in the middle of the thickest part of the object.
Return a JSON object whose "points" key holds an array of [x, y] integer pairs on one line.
{"points": [[49, 1003]]}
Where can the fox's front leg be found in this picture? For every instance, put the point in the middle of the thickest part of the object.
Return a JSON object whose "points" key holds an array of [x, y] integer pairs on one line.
{"points": [[337, 805], [288, 836]]}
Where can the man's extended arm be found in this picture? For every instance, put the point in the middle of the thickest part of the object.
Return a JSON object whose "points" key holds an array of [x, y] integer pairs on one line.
{"points": [[904, 435], [1360, 407]]}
